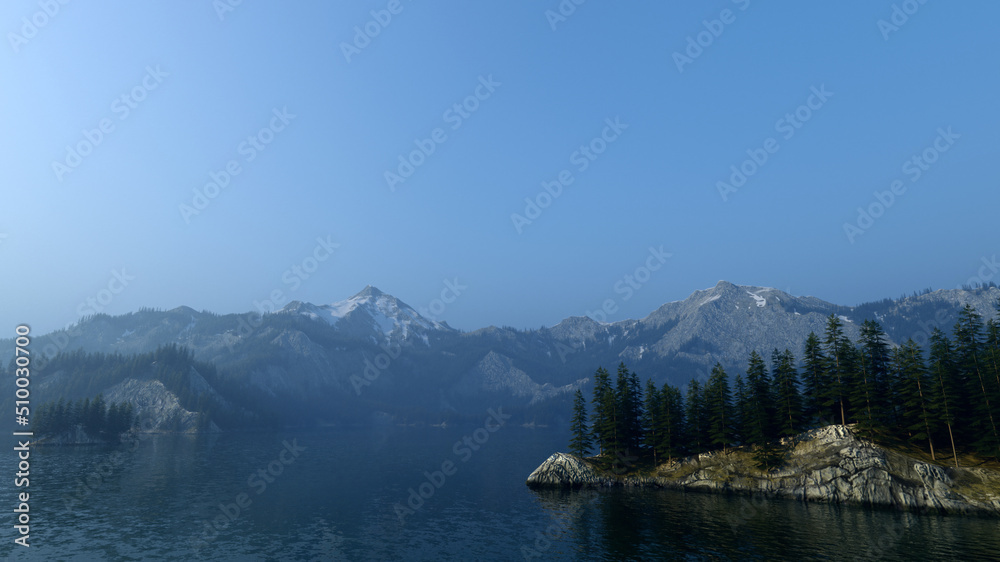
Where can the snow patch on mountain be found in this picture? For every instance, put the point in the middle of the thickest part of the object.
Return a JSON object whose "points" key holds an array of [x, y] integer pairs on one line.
{"points": [[382, 313], [712, 298], [761, 301]]}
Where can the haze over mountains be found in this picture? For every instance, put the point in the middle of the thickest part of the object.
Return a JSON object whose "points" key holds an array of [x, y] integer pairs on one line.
{"points": [[372, 354]]}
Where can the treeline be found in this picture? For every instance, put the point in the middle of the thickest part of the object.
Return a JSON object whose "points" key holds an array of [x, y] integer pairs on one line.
{"points": [[96, 418], [87, 374], [946, 397]]}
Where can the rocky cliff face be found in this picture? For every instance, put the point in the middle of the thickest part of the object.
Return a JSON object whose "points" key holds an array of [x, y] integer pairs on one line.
{"points": [[828, 464], [156, 408]]}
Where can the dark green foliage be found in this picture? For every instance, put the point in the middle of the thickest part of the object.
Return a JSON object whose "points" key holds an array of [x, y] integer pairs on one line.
{"points": [[672, 422], [741, 408], [94, 417], [872, 402], [814, 383], [581, 441], [969, 360], [760, 406], [918, 409], [719, 403], [697, 418], [652, 421], [788, 401], [839, 368], [604, 429]]}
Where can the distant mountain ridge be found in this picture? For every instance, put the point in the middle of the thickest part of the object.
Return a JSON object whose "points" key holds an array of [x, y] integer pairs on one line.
{"points": [[374, 353]]}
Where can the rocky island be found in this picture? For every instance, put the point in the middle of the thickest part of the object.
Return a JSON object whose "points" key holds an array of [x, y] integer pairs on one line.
{"points": [[829, 464]]}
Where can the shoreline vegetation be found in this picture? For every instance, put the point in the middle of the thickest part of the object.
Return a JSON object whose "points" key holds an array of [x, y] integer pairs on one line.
{"points": [[829, 464], [856, 422]]}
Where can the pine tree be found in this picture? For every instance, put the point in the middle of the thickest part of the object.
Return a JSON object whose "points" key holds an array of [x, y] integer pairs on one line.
{"points": [[696, 418], [634, 413], [814, 387], [968, 353], [603, 410], [759, 401], [943, 373], [96, 421], [839, 353], [917, 413], [720, 407], [786, 392], [672, 432], [741, 410], [868, 396], [580, 442], [653, 421], [623, 413]]}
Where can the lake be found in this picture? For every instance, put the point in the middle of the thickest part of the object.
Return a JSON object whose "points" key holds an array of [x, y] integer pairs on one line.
{"points": [[355, 494]]}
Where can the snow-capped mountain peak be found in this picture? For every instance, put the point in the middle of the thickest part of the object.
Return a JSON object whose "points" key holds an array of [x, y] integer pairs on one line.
{"points": [[371, 312]]}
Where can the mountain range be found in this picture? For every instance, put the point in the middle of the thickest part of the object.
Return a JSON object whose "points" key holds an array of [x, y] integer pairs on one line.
{"points": [[374, 355]]}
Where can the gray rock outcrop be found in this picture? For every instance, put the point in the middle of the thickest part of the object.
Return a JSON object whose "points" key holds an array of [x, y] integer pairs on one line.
{"points": [[828, 464]]}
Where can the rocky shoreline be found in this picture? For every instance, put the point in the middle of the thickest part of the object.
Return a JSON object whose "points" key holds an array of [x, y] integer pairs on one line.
{"points": [[829, 464]]}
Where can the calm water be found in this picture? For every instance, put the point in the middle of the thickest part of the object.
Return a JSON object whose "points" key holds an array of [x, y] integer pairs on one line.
{"points": [[335, 501]]}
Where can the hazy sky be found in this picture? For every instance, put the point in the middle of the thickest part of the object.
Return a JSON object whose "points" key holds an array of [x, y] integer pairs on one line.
{"points": [[309, 113]]}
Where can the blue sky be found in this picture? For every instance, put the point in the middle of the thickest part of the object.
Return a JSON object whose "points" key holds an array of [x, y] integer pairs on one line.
{"points": [[203, 87]]}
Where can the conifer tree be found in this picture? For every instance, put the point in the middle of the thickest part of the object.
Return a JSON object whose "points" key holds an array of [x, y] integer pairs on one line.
{"points": [[672, 432], [696, 418], [839, 353], [741, 410], [720, 407], [580, 441], [870, 399], [759, 401], [653, 421], [603, 402], [917, 413], [634, 413], [814, 387], [943, 373], [968, 353], [786, 392]]}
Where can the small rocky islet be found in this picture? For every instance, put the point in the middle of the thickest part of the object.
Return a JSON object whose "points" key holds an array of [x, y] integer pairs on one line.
{"points": [[829, 464]]}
